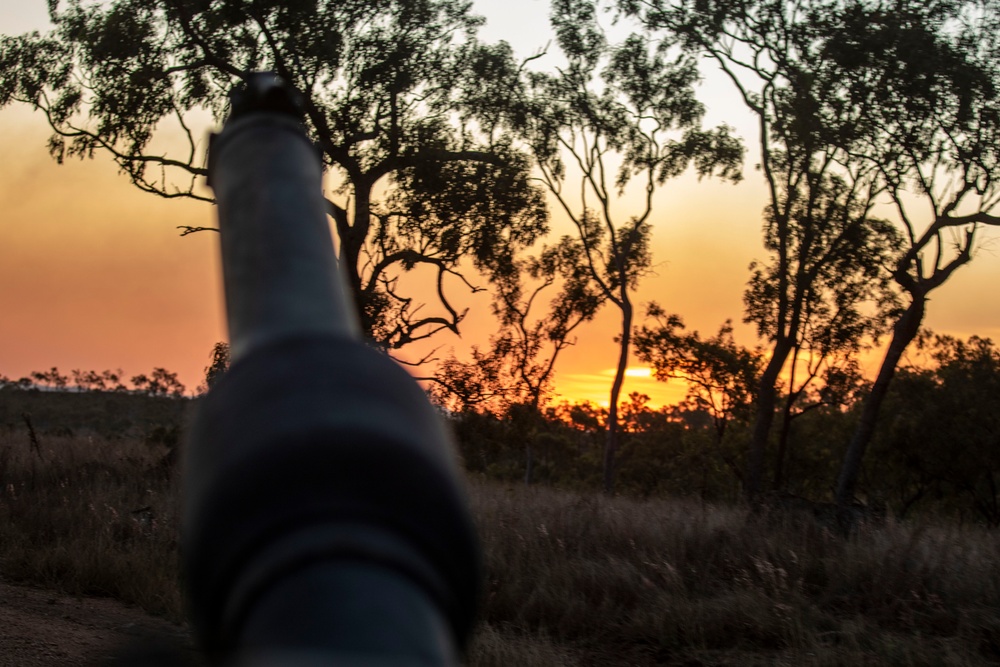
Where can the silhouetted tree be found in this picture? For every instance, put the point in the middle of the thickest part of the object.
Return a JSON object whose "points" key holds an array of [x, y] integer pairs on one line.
{"points": [[51, 378], [480, 385], [160, 382], [519, 364], [88, 380], [940, 439], [828, 255], [401, 99], [931, 90], [532, 347], [530, 341], [721, 376], [514, 375], [614, 116], [218, 365], [113, 380]]}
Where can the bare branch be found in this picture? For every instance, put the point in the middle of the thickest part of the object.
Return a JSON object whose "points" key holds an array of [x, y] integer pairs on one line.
{"points": [[185, 229]]}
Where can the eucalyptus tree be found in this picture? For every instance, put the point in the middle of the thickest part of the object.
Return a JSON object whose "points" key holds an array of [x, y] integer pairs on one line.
{"points": [[941, 443], [846, 309], [722, 376], [513, 377], [827, 252], [830, 276], [930, 87], [518, 366], [817, 378], [400, 97], [616, 116], [531, 344]]}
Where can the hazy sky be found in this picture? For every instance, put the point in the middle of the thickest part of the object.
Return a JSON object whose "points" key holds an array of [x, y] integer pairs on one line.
{"points": [[93, 274]]}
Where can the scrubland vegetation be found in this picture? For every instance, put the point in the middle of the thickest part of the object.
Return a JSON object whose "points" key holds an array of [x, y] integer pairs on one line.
{"points": [[583, 579], [90, 506], [857, 109]]}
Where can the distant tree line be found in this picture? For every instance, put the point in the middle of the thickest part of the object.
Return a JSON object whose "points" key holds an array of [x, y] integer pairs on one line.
{"points": [[936, 451], [159, 382]]}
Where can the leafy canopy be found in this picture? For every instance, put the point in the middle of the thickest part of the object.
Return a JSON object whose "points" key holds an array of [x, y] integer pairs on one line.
{"points": [[403, 101]]}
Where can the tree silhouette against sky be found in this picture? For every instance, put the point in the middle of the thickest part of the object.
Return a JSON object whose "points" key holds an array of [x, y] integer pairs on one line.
{"points": [[801, 68], [617, 115], [400, 97]]}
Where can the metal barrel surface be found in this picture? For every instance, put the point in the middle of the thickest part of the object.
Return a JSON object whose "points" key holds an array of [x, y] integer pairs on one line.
{"points": [[324, 518]]}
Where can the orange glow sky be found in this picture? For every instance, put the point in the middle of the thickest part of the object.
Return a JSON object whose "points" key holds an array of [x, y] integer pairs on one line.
{"points": [[93, 274]]}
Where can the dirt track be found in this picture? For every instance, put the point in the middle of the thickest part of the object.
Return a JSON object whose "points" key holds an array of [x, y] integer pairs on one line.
{"points": [[39, 628]]}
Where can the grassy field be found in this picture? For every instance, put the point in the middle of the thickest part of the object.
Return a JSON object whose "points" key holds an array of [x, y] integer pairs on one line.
{"points": [[571, 579]]}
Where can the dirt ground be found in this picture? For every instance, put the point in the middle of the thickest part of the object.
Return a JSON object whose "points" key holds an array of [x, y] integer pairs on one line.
{"points": [[40, 628]]}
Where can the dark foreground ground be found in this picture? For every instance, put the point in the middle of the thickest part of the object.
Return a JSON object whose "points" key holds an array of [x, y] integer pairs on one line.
{"points": [[42, 628]]}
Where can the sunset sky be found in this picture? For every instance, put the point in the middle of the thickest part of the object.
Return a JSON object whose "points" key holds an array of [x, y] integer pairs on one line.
{"points": [[93, 274]]}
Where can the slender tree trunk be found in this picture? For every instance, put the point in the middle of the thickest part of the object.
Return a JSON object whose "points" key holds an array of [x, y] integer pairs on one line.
{"points": [[611, 444], [353, 241], [766, 400], [903, 333], [529, 465], [783, 435], [786, 427], [529, 454]]}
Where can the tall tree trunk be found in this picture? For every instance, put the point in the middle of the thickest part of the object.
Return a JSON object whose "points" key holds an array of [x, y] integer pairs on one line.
{"points": [[353, 240], [529, 465], [786, 426], [903, 333], [783, 435], [536, 416], [611, 443], [766, 399]]}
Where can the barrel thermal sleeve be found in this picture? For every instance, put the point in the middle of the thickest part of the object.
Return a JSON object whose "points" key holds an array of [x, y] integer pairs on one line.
{"points": [[324, 517]]}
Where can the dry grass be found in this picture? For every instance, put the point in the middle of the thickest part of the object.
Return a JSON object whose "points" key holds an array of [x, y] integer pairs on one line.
{"points": [[89, 516], [571, 579], [614, 581]]}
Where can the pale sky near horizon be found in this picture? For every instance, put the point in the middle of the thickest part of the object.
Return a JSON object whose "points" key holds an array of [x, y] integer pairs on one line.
{"points": [[94, 276]]}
